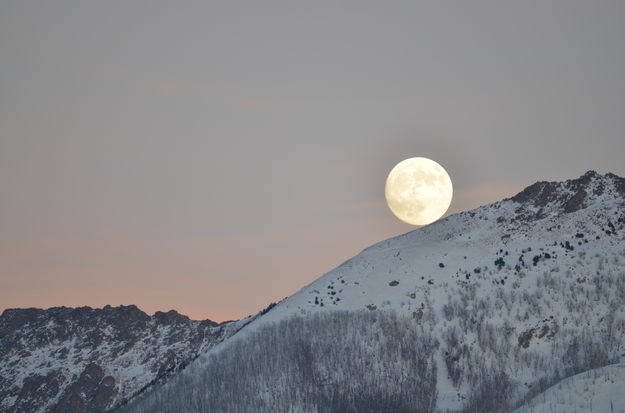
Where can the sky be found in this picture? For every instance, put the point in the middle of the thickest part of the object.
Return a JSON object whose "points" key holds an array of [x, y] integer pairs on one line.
{"points": [[214, 157]]}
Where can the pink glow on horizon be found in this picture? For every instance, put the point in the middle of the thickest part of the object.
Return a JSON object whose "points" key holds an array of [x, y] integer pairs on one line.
{"points": [[216, 278]]}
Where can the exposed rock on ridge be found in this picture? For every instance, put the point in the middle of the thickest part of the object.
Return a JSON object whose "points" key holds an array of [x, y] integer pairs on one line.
{"points": [[571, 195], [90, 360]]}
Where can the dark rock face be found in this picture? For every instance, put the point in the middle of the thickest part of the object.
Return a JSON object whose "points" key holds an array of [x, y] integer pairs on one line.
{"points": [[619, 183], [171, 317], [92, 392], [539, 194], [73, 360], [568, 196], [44, 386]]}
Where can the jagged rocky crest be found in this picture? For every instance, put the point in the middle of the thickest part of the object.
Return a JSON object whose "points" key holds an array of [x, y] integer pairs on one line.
{"points": [[571, 195], [90, 360]]}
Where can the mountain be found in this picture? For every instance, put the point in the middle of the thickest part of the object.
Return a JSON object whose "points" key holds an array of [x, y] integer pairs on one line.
{"points": [[488, 310], [484, 310], [91, 360]]}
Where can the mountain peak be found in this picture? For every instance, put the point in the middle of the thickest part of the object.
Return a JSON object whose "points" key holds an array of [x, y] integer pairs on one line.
{"points": [[171, 317], [571, 195]]}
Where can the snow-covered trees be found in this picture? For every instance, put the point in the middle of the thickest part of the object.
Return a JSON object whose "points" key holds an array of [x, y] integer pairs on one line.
{"points": [[334, 362]]}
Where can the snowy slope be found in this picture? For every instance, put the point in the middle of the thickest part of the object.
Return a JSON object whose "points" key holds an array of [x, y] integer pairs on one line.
{"points": [[600, 390], [531, 287], [432, 261]]}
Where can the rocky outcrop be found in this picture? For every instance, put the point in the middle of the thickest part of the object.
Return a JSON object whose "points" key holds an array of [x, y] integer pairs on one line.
{"points": [[73, 360], [551, 198], [92, 392], [570, 195]]}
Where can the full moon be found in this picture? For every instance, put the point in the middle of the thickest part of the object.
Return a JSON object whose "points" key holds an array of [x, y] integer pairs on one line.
{"points": [[418, 191]]}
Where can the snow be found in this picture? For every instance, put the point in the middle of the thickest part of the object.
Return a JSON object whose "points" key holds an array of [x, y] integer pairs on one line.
{"points": [[516, 282], [600, 390], [133, 364], [404, 274]]}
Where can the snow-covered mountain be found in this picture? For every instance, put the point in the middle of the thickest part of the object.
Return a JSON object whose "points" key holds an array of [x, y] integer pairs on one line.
{"points": [[90, 360], [479, 312], [506, 299]]}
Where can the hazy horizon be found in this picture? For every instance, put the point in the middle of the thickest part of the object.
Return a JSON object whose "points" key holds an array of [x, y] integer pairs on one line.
{"points": [[215, 157]]}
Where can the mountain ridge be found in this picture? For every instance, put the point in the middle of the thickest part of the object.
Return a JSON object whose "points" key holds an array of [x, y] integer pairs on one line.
{"points": [[529, 289], [65, 359]]}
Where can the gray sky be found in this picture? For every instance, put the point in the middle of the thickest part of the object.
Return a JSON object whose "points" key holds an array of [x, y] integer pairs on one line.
{"points": [[213, 157]]}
